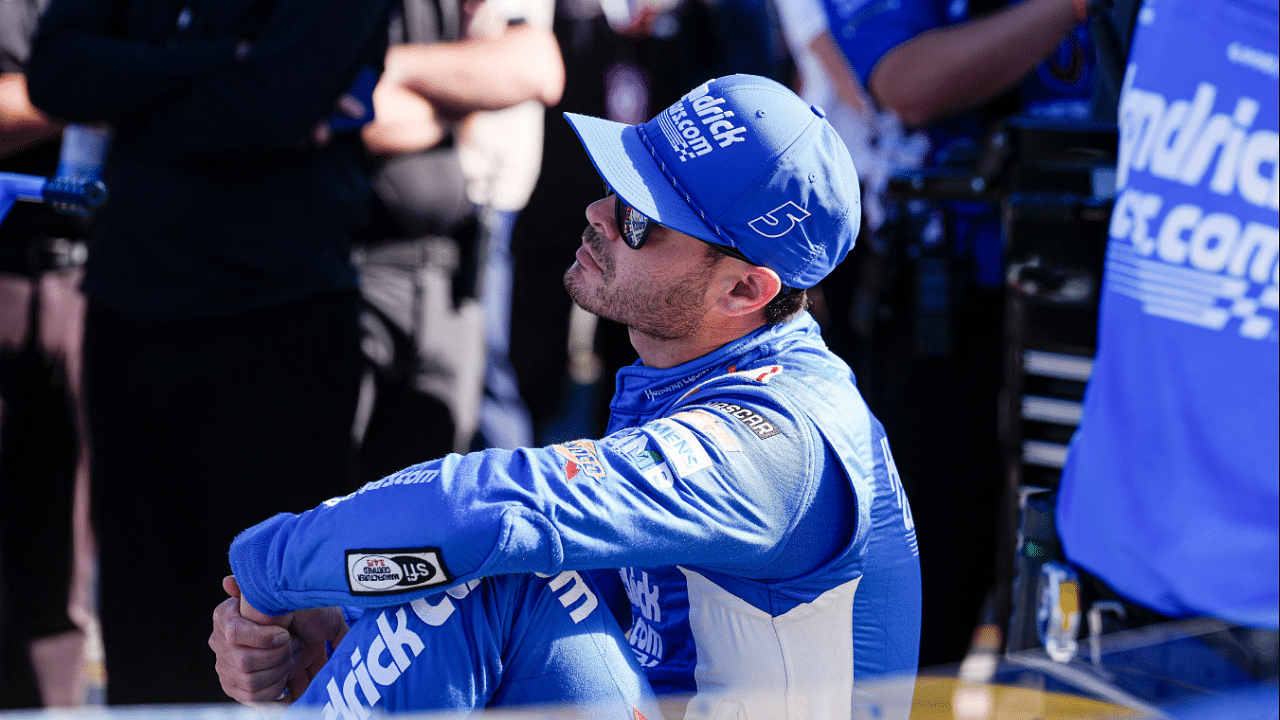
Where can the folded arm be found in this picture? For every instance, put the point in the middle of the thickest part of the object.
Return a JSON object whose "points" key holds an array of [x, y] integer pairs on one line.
{"points": [[948, 70], [485, 73], [670, 492], [206, 97], [80, 70]]}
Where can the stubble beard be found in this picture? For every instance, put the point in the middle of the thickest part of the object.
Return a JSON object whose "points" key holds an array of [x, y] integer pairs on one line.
{"points": [[672, 312]]}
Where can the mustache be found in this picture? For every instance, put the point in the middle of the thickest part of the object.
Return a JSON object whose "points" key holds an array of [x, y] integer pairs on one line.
{"points": [[595, 241]]}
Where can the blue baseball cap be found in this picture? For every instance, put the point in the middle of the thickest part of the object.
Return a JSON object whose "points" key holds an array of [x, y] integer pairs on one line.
{"points": [[739, 161]]}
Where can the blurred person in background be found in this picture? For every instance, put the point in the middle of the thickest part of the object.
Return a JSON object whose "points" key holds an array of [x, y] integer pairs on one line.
{"points": [[880, 148], [43, 457], [542, 237], [454, 132], [952, 69], [221, 349], [501, 153]]}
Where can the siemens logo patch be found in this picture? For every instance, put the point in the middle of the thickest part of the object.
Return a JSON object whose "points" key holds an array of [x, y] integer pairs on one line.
{"points": [[388, 572], [755, 422], [681, 448], [634, 446]]}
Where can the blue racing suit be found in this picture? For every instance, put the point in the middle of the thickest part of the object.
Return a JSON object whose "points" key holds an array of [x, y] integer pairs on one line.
{"points": [[506, 640], [750, 494]]}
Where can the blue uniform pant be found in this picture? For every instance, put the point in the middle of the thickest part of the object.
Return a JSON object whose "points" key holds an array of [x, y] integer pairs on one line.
{"points": [[505, 640]]}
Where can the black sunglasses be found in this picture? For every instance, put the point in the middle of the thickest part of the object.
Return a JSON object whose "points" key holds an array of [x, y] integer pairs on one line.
{"points": [[634, 227]]}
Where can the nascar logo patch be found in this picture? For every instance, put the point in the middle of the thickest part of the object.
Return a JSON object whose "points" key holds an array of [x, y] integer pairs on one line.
{"points": [[755, 422]]}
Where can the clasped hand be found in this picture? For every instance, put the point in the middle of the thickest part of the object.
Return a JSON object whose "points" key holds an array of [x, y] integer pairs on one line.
{"points": [[270, 659]]}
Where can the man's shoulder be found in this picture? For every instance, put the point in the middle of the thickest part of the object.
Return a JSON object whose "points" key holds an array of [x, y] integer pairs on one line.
{"points": [[787, 390], [788, 361]]}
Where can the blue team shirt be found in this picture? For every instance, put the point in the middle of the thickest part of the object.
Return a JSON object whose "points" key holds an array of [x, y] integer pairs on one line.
{"points": [[1170, 491], [750, 494]]}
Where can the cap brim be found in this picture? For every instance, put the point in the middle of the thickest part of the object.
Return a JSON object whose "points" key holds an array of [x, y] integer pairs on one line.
{"points": [[623, 160]]}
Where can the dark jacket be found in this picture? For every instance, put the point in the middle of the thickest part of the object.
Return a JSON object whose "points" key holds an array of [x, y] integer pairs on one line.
{"points": [[219, 202]]}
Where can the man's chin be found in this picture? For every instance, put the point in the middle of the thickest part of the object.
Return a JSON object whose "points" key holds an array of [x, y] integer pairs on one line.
{"points": [[582, 295], [573, 284]]}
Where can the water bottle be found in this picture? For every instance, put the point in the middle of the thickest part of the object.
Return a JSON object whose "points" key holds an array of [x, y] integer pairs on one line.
{"points": [[1058, 610]]}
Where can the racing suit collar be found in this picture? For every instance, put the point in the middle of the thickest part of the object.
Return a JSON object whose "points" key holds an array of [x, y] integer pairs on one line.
{"points": [[642, 389]]}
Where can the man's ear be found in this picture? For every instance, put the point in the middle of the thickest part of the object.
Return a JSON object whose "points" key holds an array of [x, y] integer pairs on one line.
{"points": [[754, 288]]}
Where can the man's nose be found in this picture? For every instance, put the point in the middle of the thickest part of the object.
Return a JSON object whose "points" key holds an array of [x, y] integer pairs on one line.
{"points": [[600, 215]]}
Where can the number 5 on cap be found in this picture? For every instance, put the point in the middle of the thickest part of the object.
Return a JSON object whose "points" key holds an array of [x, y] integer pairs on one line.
{"points": [[769, 221]]}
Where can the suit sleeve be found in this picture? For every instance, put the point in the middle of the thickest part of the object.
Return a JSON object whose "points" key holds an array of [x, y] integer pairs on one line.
{"points": [[700, 487]]}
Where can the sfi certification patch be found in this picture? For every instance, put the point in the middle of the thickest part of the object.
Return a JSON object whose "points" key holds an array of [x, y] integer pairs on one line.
{"points": [[388, 572]]}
